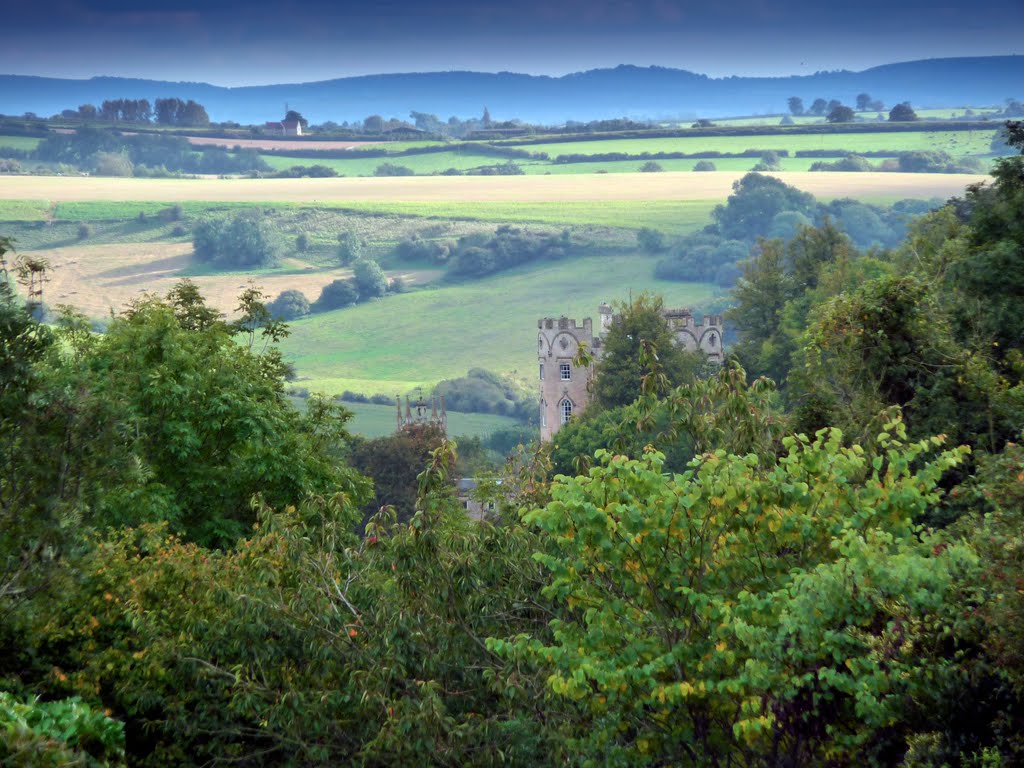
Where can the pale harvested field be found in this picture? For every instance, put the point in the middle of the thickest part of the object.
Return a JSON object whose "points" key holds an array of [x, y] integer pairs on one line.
{"points": [[97, 278], [553, 189]]}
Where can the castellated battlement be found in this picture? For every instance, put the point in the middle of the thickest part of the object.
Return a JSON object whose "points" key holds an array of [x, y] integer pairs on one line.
{"points": [[564, 324]]}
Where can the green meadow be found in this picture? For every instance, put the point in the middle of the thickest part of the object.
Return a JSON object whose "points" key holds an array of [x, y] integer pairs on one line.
{"points": [[676, 217], [433, 162], [956, 143], [418, 338], [372, 420], [671, 216], [19, 142]]}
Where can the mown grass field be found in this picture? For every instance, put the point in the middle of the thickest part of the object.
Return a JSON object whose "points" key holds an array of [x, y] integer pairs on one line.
{"points": [[19, 142], [418, 338], [372, 420]]}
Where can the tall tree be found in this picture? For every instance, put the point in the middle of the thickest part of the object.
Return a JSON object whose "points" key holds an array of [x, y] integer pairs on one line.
{"points": [[639, 351], [841, 114], [902, 113], [796, 105]]}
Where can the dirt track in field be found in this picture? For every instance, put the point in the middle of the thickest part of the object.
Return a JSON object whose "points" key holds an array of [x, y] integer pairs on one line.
{"points": [[97, 278], [553, 189]]}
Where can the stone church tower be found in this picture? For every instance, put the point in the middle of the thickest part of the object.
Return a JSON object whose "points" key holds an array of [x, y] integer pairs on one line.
{"points": [[565, 387]]}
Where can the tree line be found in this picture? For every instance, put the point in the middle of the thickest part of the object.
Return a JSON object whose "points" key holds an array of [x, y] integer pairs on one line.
{"points": [[169, 111]]}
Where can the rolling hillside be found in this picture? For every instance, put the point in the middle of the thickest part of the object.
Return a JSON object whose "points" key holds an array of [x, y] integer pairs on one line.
{"points": [[601, 93]]}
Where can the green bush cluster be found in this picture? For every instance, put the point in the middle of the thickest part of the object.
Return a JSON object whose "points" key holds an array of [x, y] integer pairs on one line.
{"points": [[239, 241]]}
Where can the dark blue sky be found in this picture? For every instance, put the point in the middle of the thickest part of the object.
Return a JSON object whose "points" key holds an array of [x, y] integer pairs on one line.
{"points": [[260, 41]]}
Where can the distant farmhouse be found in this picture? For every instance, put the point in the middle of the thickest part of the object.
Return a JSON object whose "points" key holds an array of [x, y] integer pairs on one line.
{"points": [[564, 386], [283, 128]]}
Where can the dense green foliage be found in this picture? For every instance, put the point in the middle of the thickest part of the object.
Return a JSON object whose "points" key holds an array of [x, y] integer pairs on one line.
{"points": [[368, 279], [145, 154], [824, 573], [239, 241], [482, 391], [764, 207], [289, 305], [639, 354], [58, 733], [478, 255]]}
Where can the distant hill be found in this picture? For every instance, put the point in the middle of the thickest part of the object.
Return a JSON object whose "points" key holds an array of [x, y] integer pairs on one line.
{"points": [[637, 92]]}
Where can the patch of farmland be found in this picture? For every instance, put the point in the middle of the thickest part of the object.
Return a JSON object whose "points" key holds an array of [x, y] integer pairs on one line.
{"points": [[734, 164], [19, 142], [309, 145], [956, 143], [277, 144], [97, 278], [421, 337], [372, 420], [474, 189], [432, 162]]}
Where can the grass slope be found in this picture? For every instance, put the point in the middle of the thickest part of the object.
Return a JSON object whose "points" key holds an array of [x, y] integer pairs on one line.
{"points": [[421, 337], [372, 420]]}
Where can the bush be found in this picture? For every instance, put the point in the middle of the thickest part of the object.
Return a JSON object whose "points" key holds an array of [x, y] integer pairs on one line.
{"points": [[84, 231], [58, 733], [651, 167], [704, 165], [417, 248], [902, 113], [391, 169], [335, 295], [289, 305], [509, 247], [243, 240], [302, 242], [349, 248], [369, 279], [926, 162], [113, 164], [482, 391], [303, 171], [505, 169], [850, 164], [179, 230], [650, 240]]}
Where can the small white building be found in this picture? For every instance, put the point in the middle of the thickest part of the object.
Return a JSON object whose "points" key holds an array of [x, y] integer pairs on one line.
{"points": [[283, 128]]}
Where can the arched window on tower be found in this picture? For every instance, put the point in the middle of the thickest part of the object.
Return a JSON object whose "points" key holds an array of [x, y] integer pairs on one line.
{"points": [[565, 409]]}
